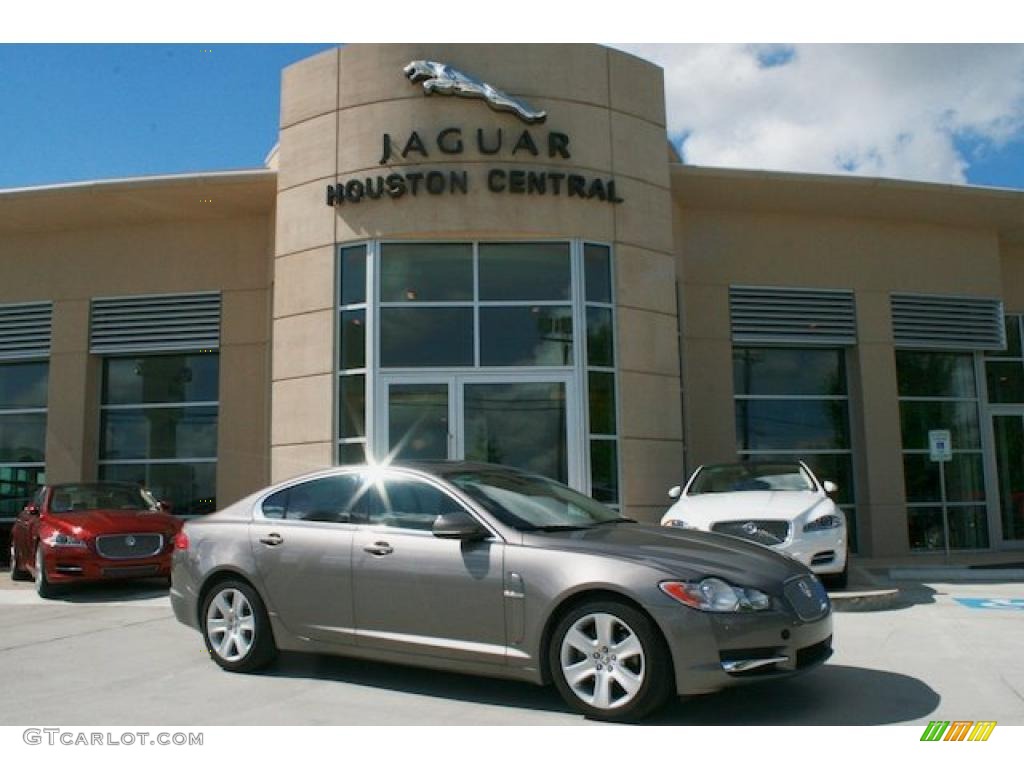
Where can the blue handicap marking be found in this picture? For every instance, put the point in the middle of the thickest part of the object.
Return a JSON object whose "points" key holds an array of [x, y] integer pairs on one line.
{"points": [[993, 603]]}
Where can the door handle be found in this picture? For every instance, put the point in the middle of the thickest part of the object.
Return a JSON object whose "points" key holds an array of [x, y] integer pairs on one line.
{"points": [[272, 539], [379, 548]]}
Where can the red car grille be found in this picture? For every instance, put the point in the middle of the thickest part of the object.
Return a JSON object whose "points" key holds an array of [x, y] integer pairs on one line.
{"points": [[127, 546]]}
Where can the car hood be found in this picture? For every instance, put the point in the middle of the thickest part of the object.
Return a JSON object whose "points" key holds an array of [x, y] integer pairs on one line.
{"points": [[710, 508], [681, 553], [95, 522]]}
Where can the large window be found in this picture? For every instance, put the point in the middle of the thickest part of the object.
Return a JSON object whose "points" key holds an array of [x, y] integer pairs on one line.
{"points": [[351, 291], [158, 426], [533, 322], [938, 390], [453, 305], [792, 403], [1004, 371], [23, 390]]}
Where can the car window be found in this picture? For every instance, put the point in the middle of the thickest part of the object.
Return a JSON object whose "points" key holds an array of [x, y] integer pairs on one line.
{"points": [[93, 496], [326, 499], [408, 503], [730, 478]]}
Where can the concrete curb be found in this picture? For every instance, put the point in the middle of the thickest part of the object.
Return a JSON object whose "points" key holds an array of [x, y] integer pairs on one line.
{"points": [[945, 574], [857, 601]]}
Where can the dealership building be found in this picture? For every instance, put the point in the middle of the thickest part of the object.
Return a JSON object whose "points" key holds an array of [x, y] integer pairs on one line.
{"points": [[503, 259]]}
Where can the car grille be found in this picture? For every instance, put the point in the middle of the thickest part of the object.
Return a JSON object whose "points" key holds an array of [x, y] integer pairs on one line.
{"points": [[767, 532], [129, 545], [807, 597]]}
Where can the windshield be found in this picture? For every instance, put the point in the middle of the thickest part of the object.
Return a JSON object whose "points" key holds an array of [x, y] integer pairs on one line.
{"points": [[531, 502], [82, 498], [728, 478]]}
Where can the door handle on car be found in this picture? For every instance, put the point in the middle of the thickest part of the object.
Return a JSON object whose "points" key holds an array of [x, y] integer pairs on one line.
{"points": [[379, 548], [271, 539]]}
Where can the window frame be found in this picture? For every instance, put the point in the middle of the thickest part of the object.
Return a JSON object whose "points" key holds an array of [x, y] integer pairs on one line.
{"points": [[177, 461], [577, 371], [984, 451], [23, 411], [801, 455]]}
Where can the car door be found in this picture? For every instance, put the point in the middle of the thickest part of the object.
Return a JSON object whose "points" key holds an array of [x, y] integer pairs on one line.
{"points": [[414, 592], [301, 539]]}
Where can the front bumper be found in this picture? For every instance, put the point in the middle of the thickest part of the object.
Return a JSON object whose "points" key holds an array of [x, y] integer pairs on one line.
{"points": [[824, 552], [69, 565], [711, 651]]}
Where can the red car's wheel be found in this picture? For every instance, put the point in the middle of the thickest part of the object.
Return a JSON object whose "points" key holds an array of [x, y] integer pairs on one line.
{"points": [[17, 574], [43, 587]]}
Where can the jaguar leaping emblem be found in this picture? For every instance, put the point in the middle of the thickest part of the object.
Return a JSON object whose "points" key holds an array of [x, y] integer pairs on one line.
{"points": [[442, 78]]}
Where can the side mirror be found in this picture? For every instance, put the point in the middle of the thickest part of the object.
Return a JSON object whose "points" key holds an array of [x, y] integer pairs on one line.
{"points": [[829, 487], [164, 506], [32, 509], [458, 525], [675, 492]]}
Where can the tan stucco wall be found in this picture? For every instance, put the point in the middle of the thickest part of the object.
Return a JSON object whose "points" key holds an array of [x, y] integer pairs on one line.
{"points": [[1013, 277], [335, 108], [873, 257], [72, 265]]}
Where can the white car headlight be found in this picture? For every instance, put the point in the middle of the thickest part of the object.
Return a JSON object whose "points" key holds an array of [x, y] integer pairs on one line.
{"points": [[678, 523], [63, 540], [715, 595], [824, 523]]}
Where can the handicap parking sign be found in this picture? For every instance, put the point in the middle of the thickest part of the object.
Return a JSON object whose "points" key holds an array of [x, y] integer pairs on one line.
{"points": [[993, 603]]}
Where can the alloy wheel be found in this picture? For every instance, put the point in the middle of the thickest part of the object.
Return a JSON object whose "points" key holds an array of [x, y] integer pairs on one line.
{"points": [[603, 661], [231, 625]]}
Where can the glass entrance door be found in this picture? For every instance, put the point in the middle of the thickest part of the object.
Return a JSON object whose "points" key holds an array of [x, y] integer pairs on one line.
{"points": [[1008, 433], [526, 423]]}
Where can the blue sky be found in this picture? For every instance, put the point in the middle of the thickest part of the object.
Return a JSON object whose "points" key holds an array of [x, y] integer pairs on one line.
{"points": [[937, 113], [73, 112]]}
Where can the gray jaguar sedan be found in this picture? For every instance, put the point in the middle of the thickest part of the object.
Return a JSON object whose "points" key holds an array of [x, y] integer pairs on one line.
{"points": [[489, 570]]}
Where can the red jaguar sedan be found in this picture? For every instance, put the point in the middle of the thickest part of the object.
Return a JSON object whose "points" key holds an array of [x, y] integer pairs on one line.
{"points": [[79, 532]]}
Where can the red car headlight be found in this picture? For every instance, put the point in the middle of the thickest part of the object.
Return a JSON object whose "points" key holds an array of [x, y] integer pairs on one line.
{"points": [[58, 539]]}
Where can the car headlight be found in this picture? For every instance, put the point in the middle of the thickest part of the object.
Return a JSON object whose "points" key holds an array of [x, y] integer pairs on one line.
{"points": [[713, 594], [56, 539], [677, 523], [823, 523]]}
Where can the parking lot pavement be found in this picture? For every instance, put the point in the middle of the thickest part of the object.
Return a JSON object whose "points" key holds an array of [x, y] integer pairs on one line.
{"points": [[116, 656]]}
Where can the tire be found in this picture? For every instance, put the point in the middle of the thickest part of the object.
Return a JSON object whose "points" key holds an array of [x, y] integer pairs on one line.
{"points": [[585, 640], [17, 574], [44, 588], [235, 627]]}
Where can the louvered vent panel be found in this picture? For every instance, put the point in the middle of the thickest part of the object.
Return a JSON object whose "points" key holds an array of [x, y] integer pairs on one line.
{"points": [[171, 322], [920, 321], [762, 315], [25, 330]]}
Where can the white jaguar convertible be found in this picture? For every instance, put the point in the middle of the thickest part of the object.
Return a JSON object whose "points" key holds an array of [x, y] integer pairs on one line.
{"points": [[781, 505]]}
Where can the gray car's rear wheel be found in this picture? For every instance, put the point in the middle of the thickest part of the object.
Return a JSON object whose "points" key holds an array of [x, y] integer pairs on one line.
{"points": [[236, 629], [609, 661]]}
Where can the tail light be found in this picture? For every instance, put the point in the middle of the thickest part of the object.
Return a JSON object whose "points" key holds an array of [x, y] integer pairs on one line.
{"points": [[181, 540]]}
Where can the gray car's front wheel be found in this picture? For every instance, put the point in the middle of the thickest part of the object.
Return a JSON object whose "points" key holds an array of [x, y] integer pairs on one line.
{"points": [[236, 629], [609, 661]]}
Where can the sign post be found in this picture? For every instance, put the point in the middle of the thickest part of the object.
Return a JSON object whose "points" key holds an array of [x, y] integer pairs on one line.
{"points": [[940, 449]]}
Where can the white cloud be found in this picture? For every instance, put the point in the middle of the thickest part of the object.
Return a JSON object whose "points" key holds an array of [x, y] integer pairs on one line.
{"points": [[876, 110]]}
